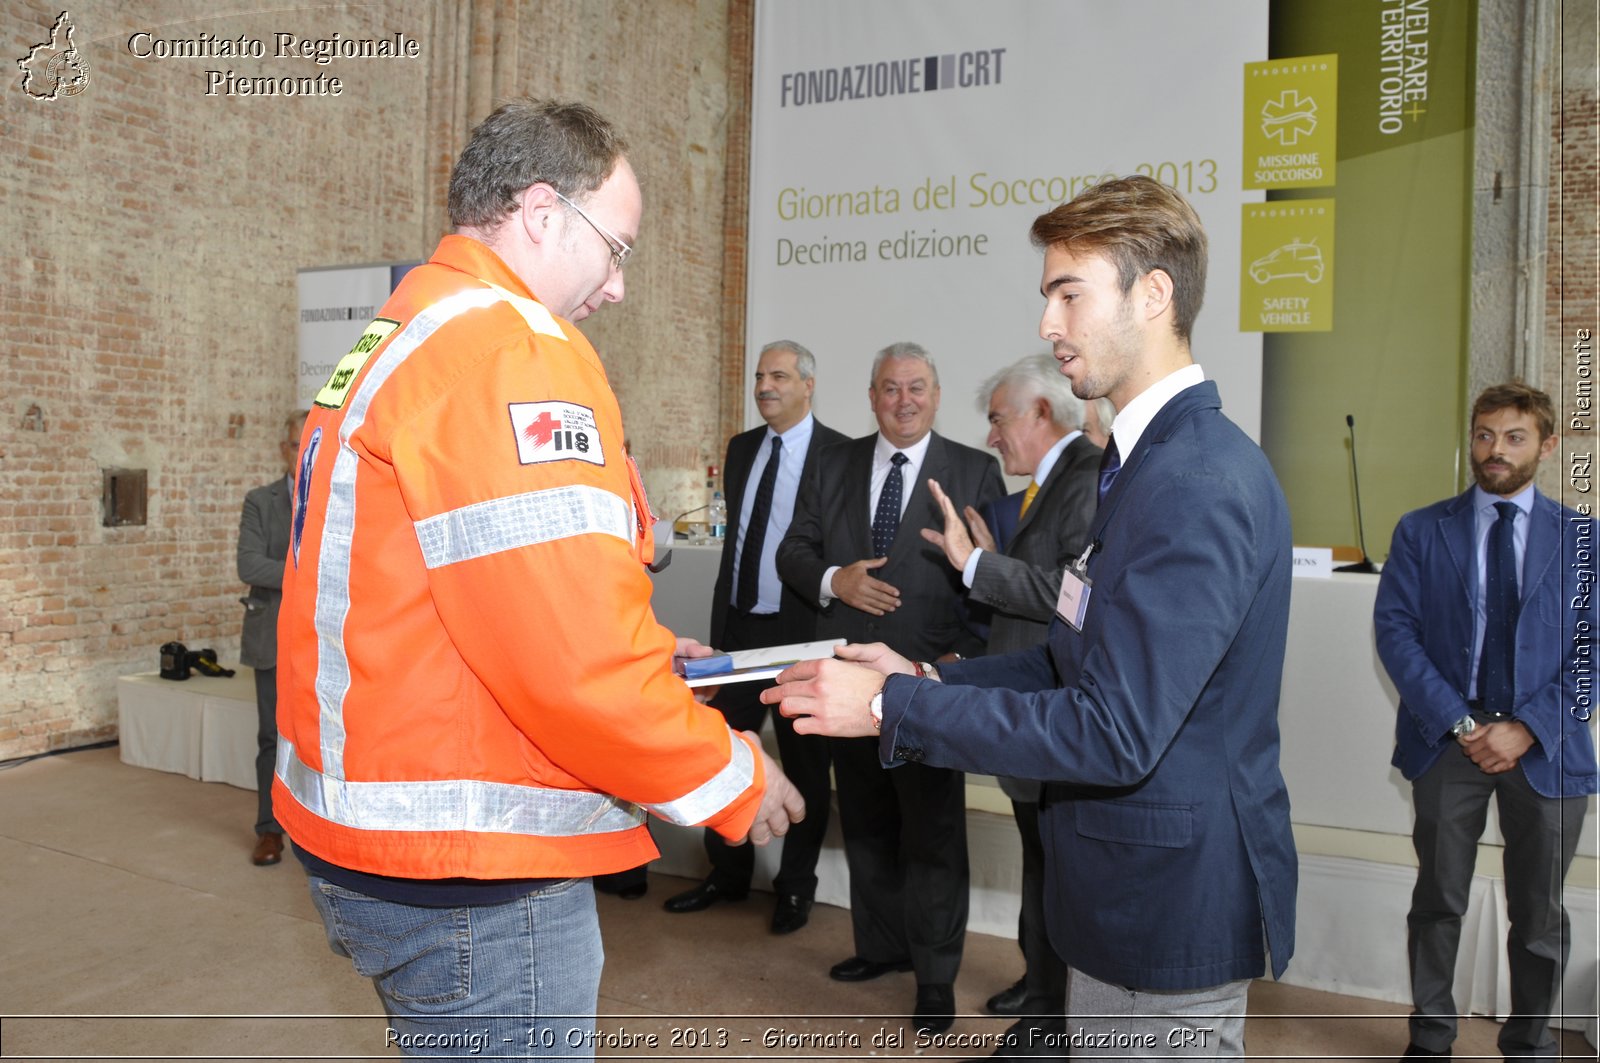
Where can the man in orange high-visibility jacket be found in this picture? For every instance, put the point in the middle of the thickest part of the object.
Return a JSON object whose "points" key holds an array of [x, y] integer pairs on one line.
{"points": [[476, 703]]}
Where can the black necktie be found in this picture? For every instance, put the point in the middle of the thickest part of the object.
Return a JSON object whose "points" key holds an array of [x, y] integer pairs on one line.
{"points": [[886, 521], [755, 533], [1110, 465], [1501, 604]]}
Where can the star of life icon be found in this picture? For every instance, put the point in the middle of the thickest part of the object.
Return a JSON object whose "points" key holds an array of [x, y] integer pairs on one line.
{"points": [[55, 68], [1289, 117]]}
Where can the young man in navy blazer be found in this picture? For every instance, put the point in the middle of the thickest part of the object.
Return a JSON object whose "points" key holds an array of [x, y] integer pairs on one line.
{"points": [[1035, 424], [1151, 712], [1487, 653]]}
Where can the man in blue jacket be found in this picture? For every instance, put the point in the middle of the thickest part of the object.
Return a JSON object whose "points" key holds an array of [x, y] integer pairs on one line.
{"points": [[1151, 711], [1485, 622]]}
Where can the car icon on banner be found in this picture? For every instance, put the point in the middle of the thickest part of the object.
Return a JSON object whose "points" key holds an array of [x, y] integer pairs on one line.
{"points": [[1294, 259]]}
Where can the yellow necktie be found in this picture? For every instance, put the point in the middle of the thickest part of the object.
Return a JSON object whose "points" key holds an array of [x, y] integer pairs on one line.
{"points": [[1027, 497]]}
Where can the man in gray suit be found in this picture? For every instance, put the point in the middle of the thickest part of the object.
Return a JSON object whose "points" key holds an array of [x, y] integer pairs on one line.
{"points": [[263, 545], [853, 547], [1035, 423]]}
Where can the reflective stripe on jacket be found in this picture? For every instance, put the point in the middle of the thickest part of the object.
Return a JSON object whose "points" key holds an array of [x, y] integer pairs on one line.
{"points": [[471, 680]]}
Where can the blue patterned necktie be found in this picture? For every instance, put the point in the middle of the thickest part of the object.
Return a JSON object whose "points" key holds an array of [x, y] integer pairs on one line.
{"points": [[886, 521], [1110, 465], [1501, 605], [756, 533]]}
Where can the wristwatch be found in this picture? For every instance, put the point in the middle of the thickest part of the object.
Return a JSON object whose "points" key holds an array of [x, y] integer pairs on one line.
{"points": [[875, 706], [926, 670], [1464, 726]]}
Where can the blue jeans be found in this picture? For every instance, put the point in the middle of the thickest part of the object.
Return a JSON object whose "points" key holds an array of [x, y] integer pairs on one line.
{"points": [[517, 980]]}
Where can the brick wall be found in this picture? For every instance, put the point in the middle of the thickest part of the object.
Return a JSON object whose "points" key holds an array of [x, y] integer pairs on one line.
{"points": [[148, 304]]}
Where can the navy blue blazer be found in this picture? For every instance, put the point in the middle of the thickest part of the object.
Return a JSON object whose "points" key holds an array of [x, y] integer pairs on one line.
{"points": [[1002, 516], [1165, 816], [1423, 621]]}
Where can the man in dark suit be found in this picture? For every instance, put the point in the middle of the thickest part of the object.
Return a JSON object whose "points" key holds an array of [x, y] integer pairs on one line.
{"points": [[1151, 712], [854, 547], [1035, 423], [263, 546], [751, 608], [1485, 621]]}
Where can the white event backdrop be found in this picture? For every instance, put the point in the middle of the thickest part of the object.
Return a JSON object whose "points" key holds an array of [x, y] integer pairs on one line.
{"points": [[876, 127]]}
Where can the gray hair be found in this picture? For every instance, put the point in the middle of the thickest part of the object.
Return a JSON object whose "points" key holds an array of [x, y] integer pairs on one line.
{"points": [[293, 425], [1038, 376], [569, 146], [905, 349], [804, 362]]}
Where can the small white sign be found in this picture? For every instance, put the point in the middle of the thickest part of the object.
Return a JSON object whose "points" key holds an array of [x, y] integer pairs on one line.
{"points": [[1313, 562]]}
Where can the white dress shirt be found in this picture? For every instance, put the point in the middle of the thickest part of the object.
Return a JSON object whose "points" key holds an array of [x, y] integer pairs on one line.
{"points": [[1137, 415], [882, 455]]}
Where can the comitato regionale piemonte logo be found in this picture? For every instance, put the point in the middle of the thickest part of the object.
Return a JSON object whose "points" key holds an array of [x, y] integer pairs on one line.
{"points": [[55, 68]]}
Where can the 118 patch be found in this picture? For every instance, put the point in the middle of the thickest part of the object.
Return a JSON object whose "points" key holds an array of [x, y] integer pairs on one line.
{"points": [[555, 431]]}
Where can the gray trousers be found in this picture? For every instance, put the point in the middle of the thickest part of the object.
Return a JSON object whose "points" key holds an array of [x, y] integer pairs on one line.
{"points": [[1452, 805], [266, 747], [1106, 1021]]}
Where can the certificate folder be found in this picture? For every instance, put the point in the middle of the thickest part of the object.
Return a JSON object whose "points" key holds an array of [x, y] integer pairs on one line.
{"points": [[747, 666]]}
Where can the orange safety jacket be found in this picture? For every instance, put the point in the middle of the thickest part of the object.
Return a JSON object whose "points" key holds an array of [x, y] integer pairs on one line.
{"points": [[471, 682]]}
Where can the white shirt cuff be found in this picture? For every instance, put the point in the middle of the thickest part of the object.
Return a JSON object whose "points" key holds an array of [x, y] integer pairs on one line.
{"points": [[827, 594], [969, 571]]}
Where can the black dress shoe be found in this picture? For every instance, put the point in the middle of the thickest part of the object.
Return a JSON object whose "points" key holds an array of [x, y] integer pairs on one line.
{"points": [[1035, 1037], [792, 913], [936, 1008], [861, 969], [1414, 1049], [702, 897], [1009, 1001]]}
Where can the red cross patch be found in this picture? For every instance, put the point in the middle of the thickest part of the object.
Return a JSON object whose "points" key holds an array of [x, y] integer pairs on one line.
{"points": [[555, 431]]}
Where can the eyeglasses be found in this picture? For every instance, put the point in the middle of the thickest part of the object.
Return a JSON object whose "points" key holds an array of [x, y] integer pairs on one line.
{"points": [[619, 249]]}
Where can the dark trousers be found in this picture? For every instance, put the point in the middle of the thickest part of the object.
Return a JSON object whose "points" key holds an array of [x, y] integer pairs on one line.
{"points": [[905, 839], [266, 747], [805, 762], [1452, 805], [1046, 975]]}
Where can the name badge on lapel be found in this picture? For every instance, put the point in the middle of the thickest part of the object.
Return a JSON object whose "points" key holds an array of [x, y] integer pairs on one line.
{"points": [[1073, 602]]}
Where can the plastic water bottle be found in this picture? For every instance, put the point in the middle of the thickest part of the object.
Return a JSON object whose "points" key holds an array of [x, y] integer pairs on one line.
{"points": [[717, 516]]}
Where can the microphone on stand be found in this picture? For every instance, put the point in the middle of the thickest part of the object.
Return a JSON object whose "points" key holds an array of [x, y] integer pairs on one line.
{"points": [[689, 513], [1365, 564]]}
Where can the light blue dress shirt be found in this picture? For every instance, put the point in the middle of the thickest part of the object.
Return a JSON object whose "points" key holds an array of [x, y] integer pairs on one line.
{"points": [[791, 459]]}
